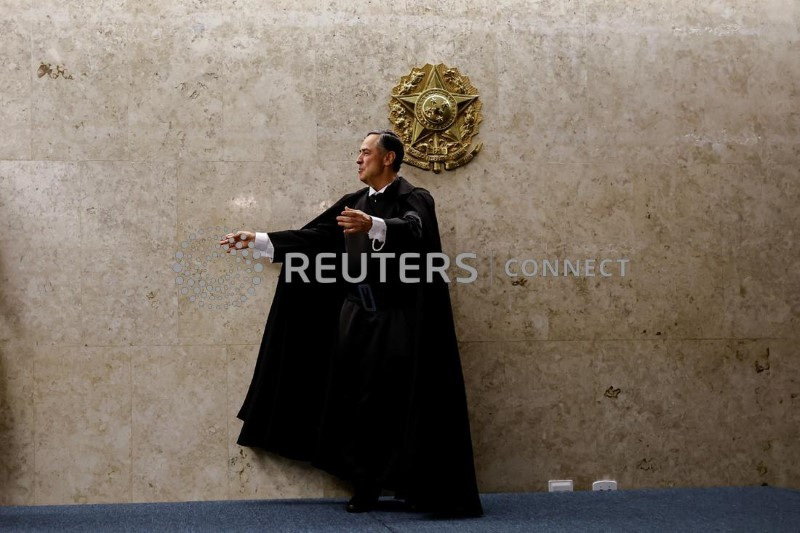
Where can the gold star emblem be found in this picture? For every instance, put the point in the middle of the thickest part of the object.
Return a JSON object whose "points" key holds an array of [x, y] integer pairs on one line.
{"points": [[436, 112]]}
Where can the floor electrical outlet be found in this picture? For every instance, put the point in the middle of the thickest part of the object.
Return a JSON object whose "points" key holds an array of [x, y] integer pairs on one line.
{"points": [[559, 485], [605, 484]]}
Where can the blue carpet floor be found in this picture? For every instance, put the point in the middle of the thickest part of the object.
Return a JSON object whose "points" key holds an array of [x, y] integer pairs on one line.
{"points": [[758, 509]]}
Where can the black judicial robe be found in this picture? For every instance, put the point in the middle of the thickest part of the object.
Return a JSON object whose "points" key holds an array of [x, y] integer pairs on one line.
{"points": [[294, 406]]}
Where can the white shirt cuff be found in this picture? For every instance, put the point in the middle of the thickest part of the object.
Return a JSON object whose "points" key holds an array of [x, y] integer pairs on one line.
{"points": [[264, 245], [378, 230]]}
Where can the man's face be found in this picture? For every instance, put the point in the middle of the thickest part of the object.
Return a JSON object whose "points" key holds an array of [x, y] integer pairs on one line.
{"points": [[371, 160]]}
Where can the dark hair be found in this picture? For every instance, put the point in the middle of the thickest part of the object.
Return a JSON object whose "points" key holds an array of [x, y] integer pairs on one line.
{"points": [[388, 141]]}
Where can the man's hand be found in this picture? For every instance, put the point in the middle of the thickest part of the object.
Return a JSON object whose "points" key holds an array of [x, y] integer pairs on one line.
{"points": [[354, 221], [240, 237]]}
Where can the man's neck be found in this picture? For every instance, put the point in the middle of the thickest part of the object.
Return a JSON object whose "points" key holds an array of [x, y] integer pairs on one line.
{"points": [[383, 181]]}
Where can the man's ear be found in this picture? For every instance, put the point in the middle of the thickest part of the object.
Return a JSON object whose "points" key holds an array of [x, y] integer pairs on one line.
{"points": [[388, 158]]}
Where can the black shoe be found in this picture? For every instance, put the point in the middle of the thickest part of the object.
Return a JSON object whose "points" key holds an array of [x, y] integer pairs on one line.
{"points": [[363, 501]]}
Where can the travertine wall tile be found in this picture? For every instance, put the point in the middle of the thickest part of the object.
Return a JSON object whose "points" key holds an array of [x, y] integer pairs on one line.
{"points": [[641, 396], [128, 217], [720, 15], [525, 208], [539, 432], [176, 87], [335, 9], [352, 82], [668, 403], [699, 299], [428, 49], [15, 90], [784, 393], [40, 291], [682, 204], [268, 110], [761, 205], [782, 153], [80, 91], [542, 96], [179, 424], [592, 306], [498, 306], [606, 191], [72, 12], [626, 17], [652, 287], [718, 121], [451, 9], [774, 86], [543, 15], [152, 11], [82, 399], [784, 396], [780, 17], [741, 423], [761, 291], [16, 423], [631, 96], [761, 298]]}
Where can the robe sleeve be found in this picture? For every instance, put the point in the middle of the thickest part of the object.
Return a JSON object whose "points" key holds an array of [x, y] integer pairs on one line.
{"points": [[322, 234], [407, 229]]}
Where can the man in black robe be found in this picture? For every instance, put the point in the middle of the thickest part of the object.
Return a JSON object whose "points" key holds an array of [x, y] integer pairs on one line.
{"points": [[362, 376]]}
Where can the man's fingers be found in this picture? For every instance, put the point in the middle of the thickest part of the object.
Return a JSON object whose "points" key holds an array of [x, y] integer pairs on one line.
{"points": [[350, 223], [354, 221], [244, 237]]}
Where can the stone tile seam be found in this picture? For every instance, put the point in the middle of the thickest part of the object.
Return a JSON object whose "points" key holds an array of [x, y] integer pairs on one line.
{"points": [[463, 341], [593, 161], [665, 339]]}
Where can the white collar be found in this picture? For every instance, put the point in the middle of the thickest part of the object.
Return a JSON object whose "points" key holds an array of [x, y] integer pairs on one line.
{"points": [[373, 191]]}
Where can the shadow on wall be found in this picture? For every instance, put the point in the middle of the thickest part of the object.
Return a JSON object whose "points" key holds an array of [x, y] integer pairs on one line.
{"points": [[9, 446], [263, 474], [10, 322], [7, 440]]}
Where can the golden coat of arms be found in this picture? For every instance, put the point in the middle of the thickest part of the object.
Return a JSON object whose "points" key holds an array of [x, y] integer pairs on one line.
{"points": [[435, 111]]}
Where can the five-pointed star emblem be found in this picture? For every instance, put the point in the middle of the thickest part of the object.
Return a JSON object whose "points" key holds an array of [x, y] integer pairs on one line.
{"points": [[433, 86]]}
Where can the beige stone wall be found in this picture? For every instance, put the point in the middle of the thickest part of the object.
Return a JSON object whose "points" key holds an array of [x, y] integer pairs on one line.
{"points": [[664, 132]]}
